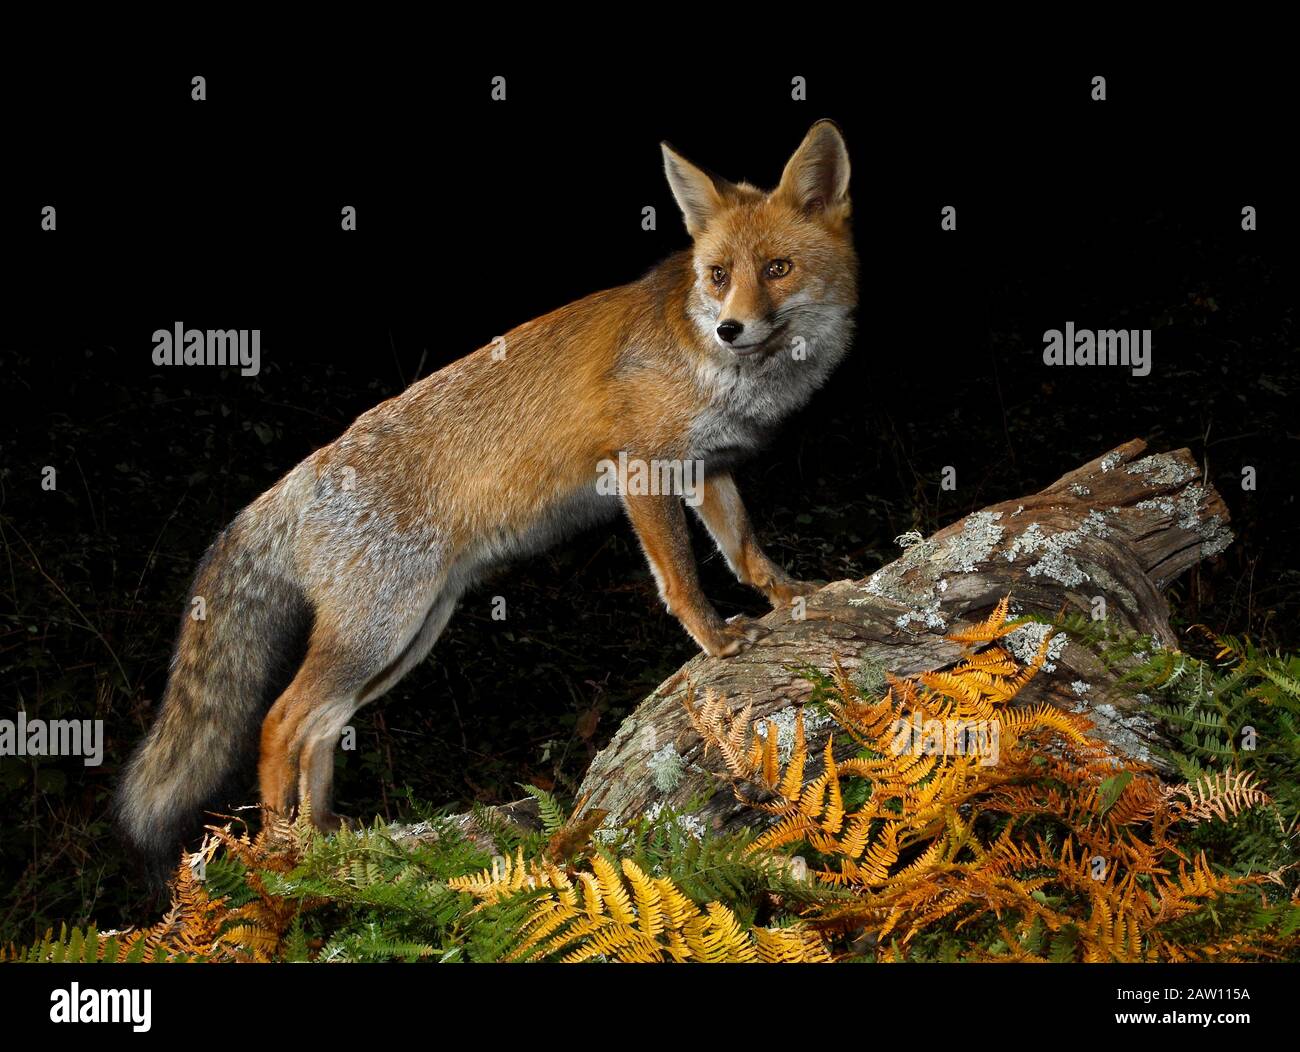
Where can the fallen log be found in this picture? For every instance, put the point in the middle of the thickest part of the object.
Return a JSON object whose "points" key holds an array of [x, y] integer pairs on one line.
{"points": [[1107, 537]]}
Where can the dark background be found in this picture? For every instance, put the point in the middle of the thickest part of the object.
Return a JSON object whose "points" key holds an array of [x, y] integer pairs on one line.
{"points": [[476, 216]]}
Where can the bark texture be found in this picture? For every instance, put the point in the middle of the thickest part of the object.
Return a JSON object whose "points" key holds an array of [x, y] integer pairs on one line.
{"points": [[1119, 528]]}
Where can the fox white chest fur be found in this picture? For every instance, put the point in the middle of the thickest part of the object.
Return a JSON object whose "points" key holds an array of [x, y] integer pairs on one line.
{"points": [[748, 399]]}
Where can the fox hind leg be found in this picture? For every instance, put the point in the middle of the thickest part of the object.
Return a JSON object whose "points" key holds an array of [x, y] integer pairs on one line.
{"points": [[316, 774], [416, 651], [325, 684], [350, 661], [316, 763]]}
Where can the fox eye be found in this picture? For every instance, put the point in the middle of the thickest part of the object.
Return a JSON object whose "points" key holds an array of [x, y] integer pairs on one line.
{"points": [[778, 268], [719, 275]]}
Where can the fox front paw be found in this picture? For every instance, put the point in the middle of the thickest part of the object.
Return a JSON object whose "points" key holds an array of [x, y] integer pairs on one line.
{"points": [[734, 635], [784, 592]]}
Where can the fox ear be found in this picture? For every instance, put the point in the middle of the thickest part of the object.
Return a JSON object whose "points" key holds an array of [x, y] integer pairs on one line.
{"points": [[699, 194], [816, 178]]}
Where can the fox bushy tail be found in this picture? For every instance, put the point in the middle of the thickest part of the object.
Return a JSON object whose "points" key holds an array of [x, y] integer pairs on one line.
{"points": [[240, 642]]}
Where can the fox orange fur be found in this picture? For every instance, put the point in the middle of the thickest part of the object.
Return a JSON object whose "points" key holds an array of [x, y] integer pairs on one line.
{"points": [[362, 551]]}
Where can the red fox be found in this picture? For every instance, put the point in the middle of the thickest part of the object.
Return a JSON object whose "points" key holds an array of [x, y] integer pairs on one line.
{"points": [[364, 548]]}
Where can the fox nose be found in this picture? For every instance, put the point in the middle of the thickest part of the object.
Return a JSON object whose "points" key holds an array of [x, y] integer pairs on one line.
{"points": [[729, 330]]}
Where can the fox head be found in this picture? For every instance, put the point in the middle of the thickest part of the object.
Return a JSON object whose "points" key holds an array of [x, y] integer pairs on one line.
{"points": [[770, 267]]}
